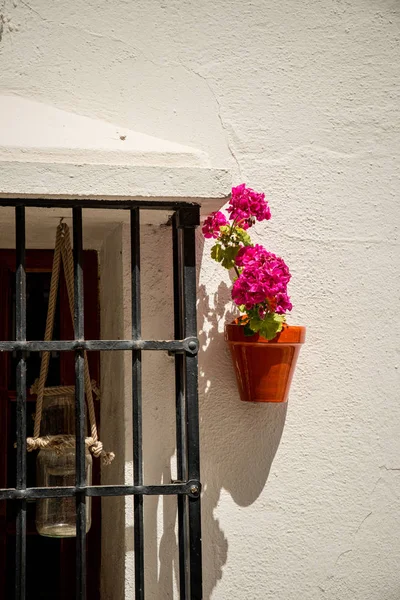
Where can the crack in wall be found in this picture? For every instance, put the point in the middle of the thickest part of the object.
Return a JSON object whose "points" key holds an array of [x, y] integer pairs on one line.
{"points": [[219, 114], [389, 468], [340, 556], [32, 9], [361, 524], [330, 578]]}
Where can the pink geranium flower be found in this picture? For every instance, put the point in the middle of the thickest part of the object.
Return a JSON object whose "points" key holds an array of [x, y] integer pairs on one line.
{"points": [[283, 303], [263, 277], [246, 205], [212, 224]]}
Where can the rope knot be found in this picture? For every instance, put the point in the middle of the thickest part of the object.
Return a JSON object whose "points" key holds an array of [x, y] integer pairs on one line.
{"points": [[96, 448]]}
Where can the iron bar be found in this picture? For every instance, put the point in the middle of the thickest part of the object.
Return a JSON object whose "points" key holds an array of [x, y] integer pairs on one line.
{"points": [[188, 488], [187, 345], [181, 446], [79, 409], [166, 204], [137, 405], [20, 306], [188, 220]]}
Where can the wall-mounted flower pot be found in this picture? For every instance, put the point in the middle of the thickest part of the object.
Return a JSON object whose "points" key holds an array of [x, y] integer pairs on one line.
{"points": [[264, 368]]}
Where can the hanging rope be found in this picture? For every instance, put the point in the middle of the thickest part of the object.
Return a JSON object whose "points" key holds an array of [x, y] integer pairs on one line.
{"points": [[63, 252]]}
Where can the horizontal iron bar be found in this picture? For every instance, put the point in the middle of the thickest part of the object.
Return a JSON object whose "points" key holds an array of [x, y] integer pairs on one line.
{"points": [[189, 488], [189, 345], [96, 203]]}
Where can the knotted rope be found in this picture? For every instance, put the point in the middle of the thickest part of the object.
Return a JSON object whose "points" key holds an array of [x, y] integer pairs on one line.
{"points": [[63, 252]]}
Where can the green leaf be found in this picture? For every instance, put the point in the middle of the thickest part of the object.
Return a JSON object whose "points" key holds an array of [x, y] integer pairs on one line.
{"points": [[268, 327], [242, 308], [217, 253], [224, 229], [243, 236], [255, 324], [228, 260]]}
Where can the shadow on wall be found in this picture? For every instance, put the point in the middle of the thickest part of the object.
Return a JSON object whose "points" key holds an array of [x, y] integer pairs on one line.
{"points": [[160, 513], [239, 440]]}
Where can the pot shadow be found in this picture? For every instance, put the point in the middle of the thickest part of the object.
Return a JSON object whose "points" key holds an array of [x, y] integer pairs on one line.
{"points": [[239, 440]]}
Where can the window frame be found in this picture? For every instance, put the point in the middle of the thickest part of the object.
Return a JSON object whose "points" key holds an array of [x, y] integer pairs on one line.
{"points": [[184, 347]]}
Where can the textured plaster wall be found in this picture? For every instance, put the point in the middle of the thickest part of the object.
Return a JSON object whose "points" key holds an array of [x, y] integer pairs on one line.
{"points": [[301, 100]]}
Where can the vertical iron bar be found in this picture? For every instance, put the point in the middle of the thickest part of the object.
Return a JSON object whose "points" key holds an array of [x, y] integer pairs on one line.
{"points": [[137, 406], [20, 288], [181, 449], [188, 221], [79, 409]]}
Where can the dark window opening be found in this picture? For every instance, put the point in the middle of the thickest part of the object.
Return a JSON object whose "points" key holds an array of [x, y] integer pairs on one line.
{"points": [[44, 555], [37, 297]]}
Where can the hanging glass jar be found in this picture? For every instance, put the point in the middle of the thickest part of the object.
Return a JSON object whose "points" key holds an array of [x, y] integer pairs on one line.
{"points": [[56, 467]]}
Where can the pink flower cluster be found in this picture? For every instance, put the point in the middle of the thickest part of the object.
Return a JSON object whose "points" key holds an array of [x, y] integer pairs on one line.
{"points": [[261, 285], [247, 205], [263, 277], [212, 224]]}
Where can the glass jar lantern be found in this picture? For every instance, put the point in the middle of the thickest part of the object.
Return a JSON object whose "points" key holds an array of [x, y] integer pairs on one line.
{"points": [[56, 467]]}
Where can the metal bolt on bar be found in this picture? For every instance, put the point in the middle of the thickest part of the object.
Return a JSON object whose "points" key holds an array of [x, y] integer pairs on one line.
{"points": [[184, 347]]}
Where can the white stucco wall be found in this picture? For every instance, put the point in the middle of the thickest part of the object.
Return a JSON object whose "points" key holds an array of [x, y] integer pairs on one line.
{"points": [[301, 100]]}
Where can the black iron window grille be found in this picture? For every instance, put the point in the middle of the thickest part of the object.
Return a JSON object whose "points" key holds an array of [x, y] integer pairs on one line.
{"points": [[184, 347]]}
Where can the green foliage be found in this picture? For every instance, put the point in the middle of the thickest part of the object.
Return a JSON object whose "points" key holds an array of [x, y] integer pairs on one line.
{"points": [[269, 326], [217, 252], [225, 229], [229, 257], [228, 245], [247, 330], [226, 256], [243, 237]]}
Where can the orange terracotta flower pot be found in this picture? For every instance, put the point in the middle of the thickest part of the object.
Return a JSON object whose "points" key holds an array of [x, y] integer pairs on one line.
{"points": [[264, 369]]}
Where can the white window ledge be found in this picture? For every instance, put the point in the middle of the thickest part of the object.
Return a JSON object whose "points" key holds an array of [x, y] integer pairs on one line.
{"points": [[50, 153]]}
